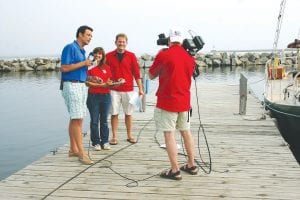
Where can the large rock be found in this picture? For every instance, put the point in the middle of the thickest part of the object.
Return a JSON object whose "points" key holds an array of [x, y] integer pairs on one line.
{"points": [[236, 62], [15, 66], [5, 68], [25, 67], [216, 62], [226, 61], [146, 57], [47, 67], [201, 63], [31, 63], [208, 61]]}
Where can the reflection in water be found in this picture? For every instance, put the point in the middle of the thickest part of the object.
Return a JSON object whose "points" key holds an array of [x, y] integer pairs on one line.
{"points": [[34, 118], [231, 75], [29, 74]]}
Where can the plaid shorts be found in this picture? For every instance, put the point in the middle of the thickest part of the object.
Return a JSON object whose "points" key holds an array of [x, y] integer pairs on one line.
{"points": [[75, 95]]}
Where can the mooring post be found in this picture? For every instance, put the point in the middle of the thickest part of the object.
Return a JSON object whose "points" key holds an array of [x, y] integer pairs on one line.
{"points": [[243, 95], [144, 83]]}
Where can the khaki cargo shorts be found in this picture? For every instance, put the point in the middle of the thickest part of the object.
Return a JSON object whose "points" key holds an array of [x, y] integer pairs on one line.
{"points": [[170, 121], [119, 99]]}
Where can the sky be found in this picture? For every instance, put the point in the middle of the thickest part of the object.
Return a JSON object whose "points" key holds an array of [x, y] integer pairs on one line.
{"points": [[44, 27]]}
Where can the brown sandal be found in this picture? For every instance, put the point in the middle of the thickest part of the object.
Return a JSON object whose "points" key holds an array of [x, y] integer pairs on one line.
{"points": [[131, 140], [170, 175], [191, 170], [113, 141]]}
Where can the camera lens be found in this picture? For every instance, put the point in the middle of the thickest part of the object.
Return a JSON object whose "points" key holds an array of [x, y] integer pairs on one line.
{"points": [[161, 36]]}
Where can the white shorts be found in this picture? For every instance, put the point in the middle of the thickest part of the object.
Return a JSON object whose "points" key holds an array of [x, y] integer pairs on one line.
{"points": [[121, 98], [75, 95], [170, 121]]}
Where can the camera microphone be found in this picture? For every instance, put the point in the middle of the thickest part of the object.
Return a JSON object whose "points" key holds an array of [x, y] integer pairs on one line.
{"points": [[91, 56]]}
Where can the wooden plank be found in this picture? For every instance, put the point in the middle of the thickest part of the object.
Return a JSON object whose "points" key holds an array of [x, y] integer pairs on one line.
{"points": [[250, 160]]}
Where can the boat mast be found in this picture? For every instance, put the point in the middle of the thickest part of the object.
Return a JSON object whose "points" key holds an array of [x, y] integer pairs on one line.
{"points": [[298, 52], [278, 27]]}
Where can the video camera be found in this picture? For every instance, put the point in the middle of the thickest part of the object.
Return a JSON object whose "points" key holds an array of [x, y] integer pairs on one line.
{"points": [[192, 46]]}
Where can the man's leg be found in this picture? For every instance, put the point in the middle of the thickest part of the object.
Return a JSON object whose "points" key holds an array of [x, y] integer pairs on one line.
{"points": [[114, 126], [128, 123], [75, 133], [128, 110], [189, 146], [115, 105], [172, 151], [73, 146]]}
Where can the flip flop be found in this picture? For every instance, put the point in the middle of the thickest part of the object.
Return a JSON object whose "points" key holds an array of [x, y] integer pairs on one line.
{"points": [[131, 140], [113, 141]]}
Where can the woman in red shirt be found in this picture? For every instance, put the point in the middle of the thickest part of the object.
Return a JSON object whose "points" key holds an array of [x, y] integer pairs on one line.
{"points": [[99, 99]]}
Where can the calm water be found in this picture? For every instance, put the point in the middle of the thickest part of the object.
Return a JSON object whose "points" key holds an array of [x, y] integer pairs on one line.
{"points": [[33, 117]]}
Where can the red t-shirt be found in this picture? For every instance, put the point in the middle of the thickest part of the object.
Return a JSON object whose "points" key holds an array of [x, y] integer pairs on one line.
{"points": [[127, 68], [102, 72], [175, 68]]}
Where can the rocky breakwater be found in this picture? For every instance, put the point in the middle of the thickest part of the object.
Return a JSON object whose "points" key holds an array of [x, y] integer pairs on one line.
{"points": [[229, 59], [210, 59], [240, 59], [34, 64]]}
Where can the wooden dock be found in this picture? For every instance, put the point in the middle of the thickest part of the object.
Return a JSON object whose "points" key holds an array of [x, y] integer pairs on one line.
{"points": [[249, 158]]}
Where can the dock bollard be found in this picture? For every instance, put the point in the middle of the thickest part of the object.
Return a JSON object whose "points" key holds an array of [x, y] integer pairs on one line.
{"points": [[243, 95], [143, 100]]}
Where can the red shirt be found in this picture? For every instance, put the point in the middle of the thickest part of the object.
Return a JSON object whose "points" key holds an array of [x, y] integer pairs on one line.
{"points": [[102, 72], [175, 68], [127, 68]]}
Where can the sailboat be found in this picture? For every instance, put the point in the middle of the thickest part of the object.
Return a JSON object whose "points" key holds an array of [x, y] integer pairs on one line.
{"points": [[282, 90], [282, 97]]}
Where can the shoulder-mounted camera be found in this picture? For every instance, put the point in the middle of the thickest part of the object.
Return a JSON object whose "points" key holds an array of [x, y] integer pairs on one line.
{"points": [[192, 46]]}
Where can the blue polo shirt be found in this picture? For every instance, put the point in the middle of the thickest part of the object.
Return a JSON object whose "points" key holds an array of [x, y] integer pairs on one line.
{"points": [[71, 54]]}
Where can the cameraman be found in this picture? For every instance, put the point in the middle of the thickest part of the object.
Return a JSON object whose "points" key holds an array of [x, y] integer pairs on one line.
{"points": [[174, 67]]}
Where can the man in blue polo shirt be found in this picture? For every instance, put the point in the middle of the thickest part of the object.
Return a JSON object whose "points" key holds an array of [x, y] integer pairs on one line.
{"points": [[74, 74]]}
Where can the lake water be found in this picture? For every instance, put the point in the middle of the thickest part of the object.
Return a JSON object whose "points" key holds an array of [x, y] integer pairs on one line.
{"points": [[34, 120]]}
